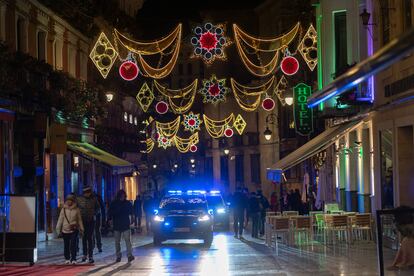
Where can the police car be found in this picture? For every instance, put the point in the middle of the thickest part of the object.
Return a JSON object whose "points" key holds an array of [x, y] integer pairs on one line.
{"points": [[219, 209]]}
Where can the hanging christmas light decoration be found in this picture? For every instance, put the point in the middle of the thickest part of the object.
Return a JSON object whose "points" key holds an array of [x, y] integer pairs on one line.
{"points": [[214, 90], [184, 145], [168, 130], [248, 98], [209, 42], [161, 107], [103, 55], [308, 48], [289, 64], [164, 142], [216, 128], [260, 48], [145, 97], [193, 148], [129, 68], [179, 100], [239, 124], [192, 122], [228, 132], [150, 145], [280, 89], [268, 104], [169, 45]]}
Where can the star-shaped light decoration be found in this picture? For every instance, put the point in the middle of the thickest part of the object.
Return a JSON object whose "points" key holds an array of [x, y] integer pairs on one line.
{"points": [[145, 97], [164, 142], [214, 90], [103, 55], [239, 124], [192, 122], [209, 42]]}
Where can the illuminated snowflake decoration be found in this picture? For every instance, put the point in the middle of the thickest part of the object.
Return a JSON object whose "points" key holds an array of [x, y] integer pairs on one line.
{"points": [[192, 122], [214, 90], [209, 42], [164, 142]]}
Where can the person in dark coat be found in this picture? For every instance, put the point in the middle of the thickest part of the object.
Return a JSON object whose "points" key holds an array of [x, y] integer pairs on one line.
{"points": [[99, 218], [240, 204], [264, 206], [120, 213], [254, 210], [138, 211], [89, 207]]}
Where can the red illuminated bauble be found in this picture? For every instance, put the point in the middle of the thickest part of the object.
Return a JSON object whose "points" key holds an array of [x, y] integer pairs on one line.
{"points": [[128, 70], [289, 65], [228, 132], [208, 41], [191, 122], [193, 148], [161, 107], [268, 104], [214, 89]]}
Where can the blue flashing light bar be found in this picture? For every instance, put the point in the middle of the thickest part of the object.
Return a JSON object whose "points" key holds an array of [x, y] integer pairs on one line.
{"points": [[382, 59], [215, 192]]}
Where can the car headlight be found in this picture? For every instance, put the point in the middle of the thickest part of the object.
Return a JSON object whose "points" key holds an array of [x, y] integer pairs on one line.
{"points": [[221, 211], [158, 218], [204, 218]]}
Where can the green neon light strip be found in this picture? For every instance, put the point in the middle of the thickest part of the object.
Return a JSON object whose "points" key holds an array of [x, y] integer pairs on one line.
{"points": [[320, 77]]}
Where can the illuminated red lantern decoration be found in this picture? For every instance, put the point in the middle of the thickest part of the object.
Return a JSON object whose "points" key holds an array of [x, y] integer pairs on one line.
{"points": [[161, 107], [193, 148], [128, 70], [268, 104], [289, 65], [228, 132]]}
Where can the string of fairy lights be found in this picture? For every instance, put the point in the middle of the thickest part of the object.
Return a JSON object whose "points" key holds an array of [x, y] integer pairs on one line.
{"points": [[262, 57]]}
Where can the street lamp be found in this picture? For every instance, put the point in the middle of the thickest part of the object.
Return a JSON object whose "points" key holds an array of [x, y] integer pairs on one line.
{"points": [[289, 98], [175, 165], [109, 96], [192, 161], [226, 151], [154, 166], [271, 119], [193, 166]]}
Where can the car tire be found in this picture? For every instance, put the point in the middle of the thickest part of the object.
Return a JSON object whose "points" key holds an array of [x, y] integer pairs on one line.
{"points": [[208, 240], [157, 240]]}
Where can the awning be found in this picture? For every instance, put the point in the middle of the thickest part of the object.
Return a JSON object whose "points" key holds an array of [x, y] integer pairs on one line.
{"points": [[317, 144], [118, 165]]}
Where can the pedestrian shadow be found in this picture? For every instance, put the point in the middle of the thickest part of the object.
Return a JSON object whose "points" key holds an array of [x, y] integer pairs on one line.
{"points": [[96, 270]]}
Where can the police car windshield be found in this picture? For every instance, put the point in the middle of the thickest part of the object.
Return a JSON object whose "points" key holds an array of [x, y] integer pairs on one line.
{"points": [[215, 201], [183, 202]]}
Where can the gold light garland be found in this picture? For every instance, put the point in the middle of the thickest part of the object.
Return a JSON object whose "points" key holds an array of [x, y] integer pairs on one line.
{"points": [[168, 130], [216, 128], [272, 46], [185, 96], [152, 48], [150, 145], [103, 55], [308, 46], [183, 144], [244, 94], [145, 97], [280, 88]]}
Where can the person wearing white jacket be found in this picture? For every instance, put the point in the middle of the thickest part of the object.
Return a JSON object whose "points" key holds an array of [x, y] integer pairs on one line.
{"points": [[69, 226]]}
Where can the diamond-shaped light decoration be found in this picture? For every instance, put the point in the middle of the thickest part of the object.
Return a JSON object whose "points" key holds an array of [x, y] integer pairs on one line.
{"points": [[103, 55], [145, 97], [239, 124], [308, 48]]}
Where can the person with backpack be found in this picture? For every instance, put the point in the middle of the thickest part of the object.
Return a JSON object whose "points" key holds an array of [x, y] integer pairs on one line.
{"points": [[69, 226]]}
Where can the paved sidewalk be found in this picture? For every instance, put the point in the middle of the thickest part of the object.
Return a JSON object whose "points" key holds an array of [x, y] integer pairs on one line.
{"points": [[51, 252]]}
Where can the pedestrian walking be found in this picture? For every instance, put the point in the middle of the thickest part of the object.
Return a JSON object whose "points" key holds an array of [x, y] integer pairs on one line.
{"points": [[246, 193], [89, 206], [69, 226], [120, 213], [138, 212], [99, 218], [264, 206], [254, 210], [239, 203]]}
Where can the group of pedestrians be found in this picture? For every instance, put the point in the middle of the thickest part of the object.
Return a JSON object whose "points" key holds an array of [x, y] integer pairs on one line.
{"points": [[83, 216], [249, 207]]}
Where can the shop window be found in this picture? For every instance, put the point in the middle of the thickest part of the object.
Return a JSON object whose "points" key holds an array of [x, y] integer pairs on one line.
{"points": [[255, 168], [387, 173], [131, 119], [135, 121], [341, 47]]}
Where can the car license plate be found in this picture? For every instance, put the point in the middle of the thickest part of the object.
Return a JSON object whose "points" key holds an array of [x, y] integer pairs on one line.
{"points": [[184, 229]]}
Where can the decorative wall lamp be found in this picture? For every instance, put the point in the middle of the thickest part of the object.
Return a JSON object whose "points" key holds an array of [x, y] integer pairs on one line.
{"points": [[271, 119]]}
